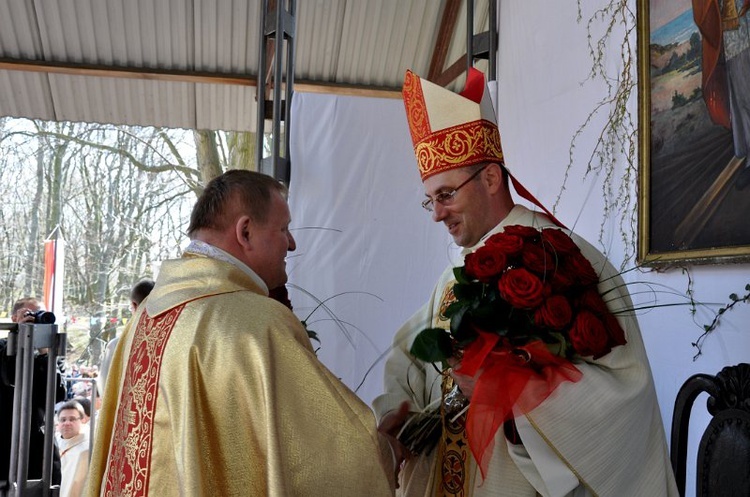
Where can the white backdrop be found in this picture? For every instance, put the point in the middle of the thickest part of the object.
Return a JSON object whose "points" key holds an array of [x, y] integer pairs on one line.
{"points": [[354, 196], [353, 170]]}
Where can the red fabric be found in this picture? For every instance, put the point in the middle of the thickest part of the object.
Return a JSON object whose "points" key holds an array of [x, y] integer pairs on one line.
{"points": [[416, 108], [132, 441], [475, 85], [49, 274], [476, 352], [707, 16], [520, 378], [524, 193]]}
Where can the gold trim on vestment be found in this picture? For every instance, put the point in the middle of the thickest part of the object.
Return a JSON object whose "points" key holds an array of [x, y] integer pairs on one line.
{"points": [[130, 452], [453, 461], [453, 458]]}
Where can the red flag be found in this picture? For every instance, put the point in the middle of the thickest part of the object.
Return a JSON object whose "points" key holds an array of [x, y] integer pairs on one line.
{"points": [[54, 260]]}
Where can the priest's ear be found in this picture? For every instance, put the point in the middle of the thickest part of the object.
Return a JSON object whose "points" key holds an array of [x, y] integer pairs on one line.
{"points": [[244, 231]]}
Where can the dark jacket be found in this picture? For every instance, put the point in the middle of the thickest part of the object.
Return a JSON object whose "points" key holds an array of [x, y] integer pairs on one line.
{"points": [[36, 438]]}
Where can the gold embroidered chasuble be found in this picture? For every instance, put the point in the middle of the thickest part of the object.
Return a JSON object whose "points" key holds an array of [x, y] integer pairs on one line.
{"points": [[606, 429], [214, 389]]}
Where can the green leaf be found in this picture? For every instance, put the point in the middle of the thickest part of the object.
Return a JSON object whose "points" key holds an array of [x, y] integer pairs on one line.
{"points": [[467, 291], [457, 318], [460, 274], [461, 326], [734, 297], [454, 308], [432, 345]]}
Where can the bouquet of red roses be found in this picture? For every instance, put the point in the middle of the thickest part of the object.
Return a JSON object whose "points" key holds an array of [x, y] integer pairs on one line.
{"points": [[524, 305]]}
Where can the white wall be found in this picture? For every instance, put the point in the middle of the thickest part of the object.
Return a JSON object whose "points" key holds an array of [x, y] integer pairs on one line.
{"points": [[543, 60], [353, 170], [354, 175]]}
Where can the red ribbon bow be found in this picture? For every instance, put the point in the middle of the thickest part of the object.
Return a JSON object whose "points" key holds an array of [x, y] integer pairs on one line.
{"points": [[511, 381]]}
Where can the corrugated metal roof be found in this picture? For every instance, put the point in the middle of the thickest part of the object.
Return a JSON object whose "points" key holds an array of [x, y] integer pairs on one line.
{"points": [[130, 62]]}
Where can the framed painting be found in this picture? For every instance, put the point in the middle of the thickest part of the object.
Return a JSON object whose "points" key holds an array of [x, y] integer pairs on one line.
{"points": [[694, 131]]}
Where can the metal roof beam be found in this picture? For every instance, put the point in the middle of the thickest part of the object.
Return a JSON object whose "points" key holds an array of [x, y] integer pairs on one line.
{"points": [[214, 78], [127, 72]]}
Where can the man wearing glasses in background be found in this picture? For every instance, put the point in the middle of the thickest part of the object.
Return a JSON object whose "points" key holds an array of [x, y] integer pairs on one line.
{"points": [[570, 445], [73, 443]]}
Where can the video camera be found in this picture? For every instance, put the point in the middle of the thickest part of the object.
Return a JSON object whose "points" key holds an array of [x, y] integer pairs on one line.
{"points": [[42, 317]]}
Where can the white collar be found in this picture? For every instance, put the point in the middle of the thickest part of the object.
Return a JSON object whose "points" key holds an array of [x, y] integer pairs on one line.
{"points": [[202, 248]]}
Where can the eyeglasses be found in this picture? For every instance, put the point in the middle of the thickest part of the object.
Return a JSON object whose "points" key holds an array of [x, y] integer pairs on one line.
{"points": [[445, 198]]}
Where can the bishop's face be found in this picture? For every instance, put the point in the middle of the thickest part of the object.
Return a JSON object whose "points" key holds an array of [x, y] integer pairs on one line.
{"points": [[466, 214]]}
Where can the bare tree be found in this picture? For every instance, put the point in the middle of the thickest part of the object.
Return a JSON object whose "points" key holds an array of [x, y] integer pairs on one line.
{"points": [[120, 195]]}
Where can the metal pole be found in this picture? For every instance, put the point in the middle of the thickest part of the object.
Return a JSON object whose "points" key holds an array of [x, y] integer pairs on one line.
{"points": [[289, 85], [49, 408], [260, 87], [27, 350], [14, 349], [277, 65], [493, 41], [469, 35], [92, 418]]}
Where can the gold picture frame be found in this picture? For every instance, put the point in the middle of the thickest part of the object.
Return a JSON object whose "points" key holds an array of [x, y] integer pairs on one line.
{"points": [[694, 205]]}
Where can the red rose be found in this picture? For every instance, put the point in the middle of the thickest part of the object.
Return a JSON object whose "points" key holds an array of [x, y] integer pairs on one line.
{"points": [[559, 242], [614, 330], [546, 290], [508, 244], [588, 335], [526, 232], [521, 288], [581, 269], [591, 300], [485, 263], [536, 259], [554, 313], [563, 278]]}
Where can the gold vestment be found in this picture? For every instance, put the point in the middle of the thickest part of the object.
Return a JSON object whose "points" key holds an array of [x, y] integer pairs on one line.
{"points": [[214, 389]]}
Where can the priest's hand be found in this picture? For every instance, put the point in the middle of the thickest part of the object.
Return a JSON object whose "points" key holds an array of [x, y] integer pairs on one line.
{"points": [[465, 383], [389, 427]]}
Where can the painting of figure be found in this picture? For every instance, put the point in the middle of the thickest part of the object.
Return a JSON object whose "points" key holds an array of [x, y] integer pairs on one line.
{"points": [[697, 173]]}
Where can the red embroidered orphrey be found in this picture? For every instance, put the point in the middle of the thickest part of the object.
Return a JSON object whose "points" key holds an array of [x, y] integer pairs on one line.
{"points": [[130, 452]]}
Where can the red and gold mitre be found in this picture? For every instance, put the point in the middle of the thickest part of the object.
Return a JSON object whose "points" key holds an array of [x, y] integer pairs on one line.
{"points": [[451, 130]]}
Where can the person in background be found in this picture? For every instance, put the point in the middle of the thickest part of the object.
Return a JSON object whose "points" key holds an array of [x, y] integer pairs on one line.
{"points": [[73, 443], [225, 378], [85, 403], [139, 292], [602, 435], [20, 314]]}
